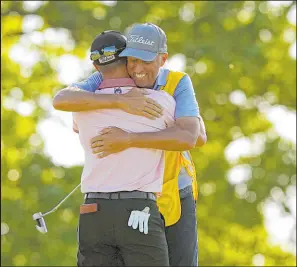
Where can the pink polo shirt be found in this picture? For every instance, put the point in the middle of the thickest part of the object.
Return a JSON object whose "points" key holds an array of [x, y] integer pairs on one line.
{"points": [[134, 168]]}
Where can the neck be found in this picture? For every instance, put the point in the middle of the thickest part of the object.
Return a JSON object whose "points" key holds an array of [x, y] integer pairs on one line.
{"points": [[116, 73]]}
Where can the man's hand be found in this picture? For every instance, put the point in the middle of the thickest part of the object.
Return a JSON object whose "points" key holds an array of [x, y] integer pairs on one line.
{"points": [[111, 140], [136, 103], [140, 219]]}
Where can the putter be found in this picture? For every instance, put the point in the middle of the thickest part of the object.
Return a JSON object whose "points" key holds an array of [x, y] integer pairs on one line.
{"points": [[38, 217]]}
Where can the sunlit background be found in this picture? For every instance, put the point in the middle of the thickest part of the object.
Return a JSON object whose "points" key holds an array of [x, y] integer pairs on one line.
{"points": [[62, 146]]}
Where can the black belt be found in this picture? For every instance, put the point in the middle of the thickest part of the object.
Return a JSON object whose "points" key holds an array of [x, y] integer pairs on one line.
{"points": [[122, 195]]}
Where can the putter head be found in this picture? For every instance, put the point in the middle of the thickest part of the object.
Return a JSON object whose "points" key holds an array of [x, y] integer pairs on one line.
{"points": [[41, 226]]}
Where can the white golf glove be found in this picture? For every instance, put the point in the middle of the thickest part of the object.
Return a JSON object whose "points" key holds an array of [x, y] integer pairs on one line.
{"points": [[139, 218]]}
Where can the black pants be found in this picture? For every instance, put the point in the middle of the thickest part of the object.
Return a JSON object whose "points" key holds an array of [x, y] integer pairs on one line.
{"points": [[106, 240], [182, 237]]}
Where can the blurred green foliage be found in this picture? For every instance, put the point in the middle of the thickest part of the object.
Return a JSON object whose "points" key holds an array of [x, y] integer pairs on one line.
{"points": [[228, 46]]}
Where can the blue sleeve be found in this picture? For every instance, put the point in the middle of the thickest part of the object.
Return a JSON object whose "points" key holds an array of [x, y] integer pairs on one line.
{"points": [[184, 95], [90, 84]]}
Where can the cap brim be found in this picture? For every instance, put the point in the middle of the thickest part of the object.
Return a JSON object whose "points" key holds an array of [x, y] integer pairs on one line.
{"points": [[141, 54]]}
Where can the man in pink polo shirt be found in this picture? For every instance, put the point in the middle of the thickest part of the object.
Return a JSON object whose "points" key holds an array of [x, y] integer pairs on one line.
{"points": [[125, 181]]}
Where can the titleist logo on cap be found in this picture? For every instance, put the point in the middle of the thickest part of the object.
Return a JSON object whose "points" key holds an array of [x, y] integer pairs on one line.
{"points": [[140, 39]]}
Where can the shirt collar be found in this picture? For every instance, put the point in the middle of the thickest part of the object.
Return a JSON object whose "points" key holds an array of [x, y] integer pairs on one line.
{"points": [[121, 82], [161, 79]]}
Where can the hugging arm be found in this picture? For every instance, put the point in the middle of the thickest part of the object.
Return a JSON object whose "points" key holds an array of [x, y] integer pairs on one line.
{"points": [[82, 97], [182, 135], [75, 99], [186, 132], [179, 137]]}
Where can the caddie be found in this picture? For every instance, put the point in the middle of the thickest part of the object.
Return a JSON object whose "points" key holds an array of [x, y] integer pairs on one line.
{"points": [[147, 53]]}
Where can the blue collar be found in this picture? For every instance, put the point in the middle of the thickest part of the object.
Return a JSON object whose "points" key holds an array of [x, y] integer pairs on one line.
{"points": [[161, 79]]}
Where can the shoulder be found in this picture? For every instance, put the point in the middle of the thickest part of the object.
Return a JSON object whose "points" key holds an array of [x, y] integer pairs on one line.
{"points": [[185, 80], [184, 95], [181, 78], [185, 84], [91, 83], [95, 78], [165, 71]]}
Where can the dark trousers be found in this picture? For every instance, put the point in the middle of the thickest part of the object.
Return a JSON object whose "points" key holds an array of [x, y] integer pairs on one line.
{"points": [[182, 237], [106, 240]]}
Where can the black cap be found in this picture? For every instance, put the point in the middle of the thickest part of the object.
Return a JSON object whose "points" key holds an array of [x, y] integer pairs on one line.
{"points": [[107, 46]]}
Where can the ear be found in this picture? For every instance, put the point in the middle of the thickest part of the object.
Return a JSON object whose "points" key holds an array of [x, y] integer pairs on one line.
{"points": [[96, 67], [163, 58]]}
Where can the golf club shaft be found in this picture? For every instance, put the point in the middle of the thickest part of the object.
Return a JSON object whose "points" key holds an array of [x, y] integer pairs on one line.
{"points": [[59, 204]]}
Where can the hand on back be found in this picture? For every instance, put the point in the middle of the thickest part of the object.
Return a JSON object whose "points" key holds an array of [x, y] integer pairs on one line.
{"points": [[135, 102]]}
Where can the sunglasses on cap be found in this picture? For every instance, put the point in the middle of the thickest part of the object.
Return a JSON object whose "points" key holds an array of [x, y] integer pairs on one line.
{"points": [[105, 52]]}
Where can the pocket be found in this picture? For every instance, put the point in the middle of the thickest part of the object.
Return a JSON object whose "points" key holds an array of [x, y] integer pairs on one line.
{"points": [[156, 220], [89, 220], [188, 205], [89, 208], [139, 204], [163, 219]]}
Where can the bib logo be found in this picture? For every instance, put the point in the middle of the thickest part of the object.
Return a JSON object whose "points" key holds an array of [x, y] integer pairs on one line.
{"points": [[139, 39]]}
